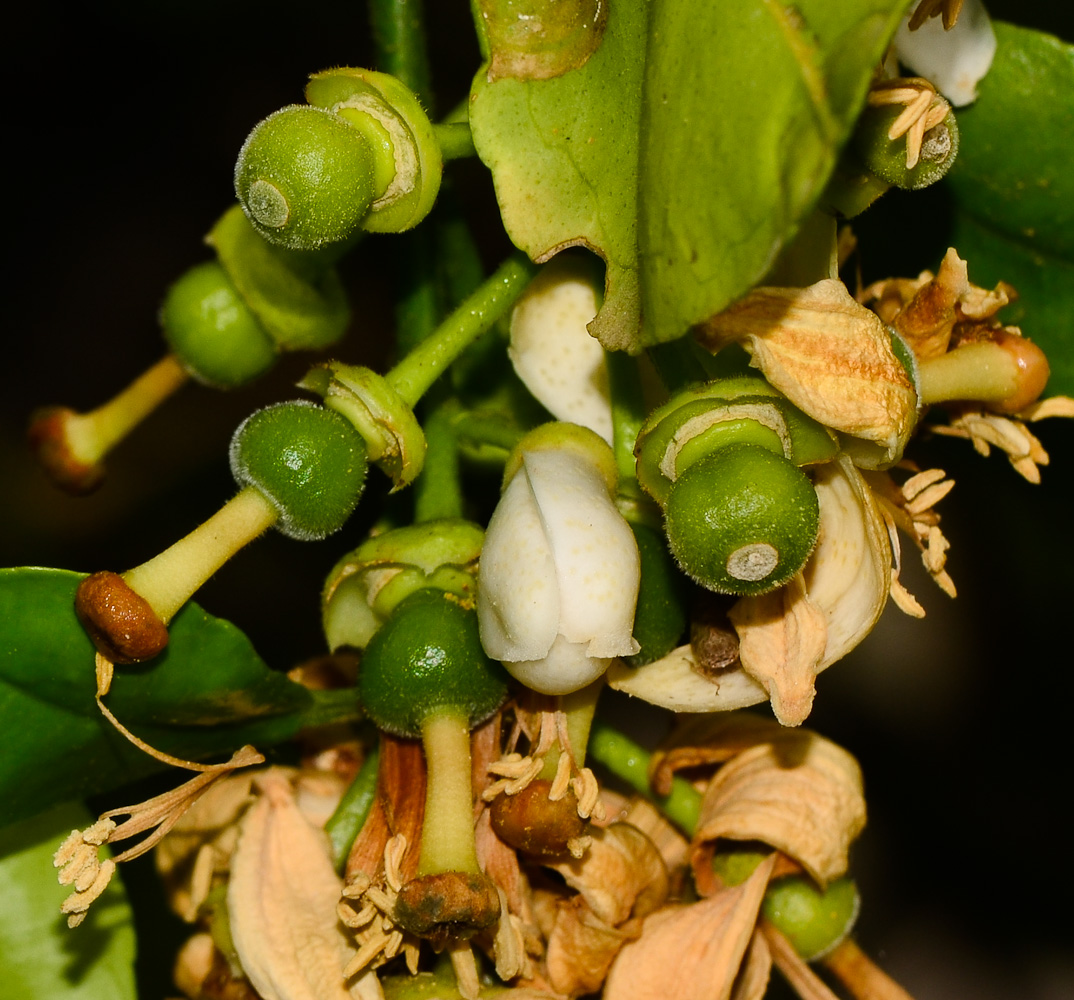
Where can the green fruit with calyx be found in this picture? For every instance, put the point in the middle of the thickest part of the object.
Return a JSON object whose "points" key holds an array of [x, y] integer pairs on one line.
{"points": [[742, 521], [814, 921], [308, 461], [427, 658], [305, 178], [212, 332]]}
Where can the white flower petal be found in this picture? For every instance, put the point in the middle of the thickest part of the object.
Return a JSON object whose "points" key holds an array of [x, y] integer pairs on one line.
{"points": [[553, 352], [566, 668], [596, 558], [517, 593], [954, 61]]}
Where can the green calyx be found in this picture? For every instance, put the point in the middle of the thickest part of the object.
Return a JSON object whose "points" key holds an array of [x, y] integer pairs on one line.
{"points": [[742, 521], [305, 178], [394, 438], [296, 296], [703, 418], [308, 461], [427, 659], [406, 155], [212, 332], [366, 585], [886, 158]]}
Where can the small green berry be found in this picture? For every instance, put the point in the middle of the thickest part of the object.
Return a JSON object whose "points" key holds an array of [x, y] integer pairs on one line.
{"points": [[886, 158], [428, 657], [308, 461], [212, 332], [812, 920], [742, 521], [305, 178]]}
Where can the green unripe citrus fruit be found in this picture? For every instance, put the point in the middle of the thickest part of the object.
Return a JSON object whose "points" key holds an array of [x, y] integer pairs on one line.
{"points": [[428, 657], [660, 616], [305, 178], [886, 158], [212, 332], [812, 920], [308, 461], [742, 521]]}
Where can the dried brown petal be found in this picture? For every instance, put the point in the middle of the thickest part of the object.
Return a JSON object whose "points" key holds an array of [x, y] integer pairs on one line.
{"points": [[582, 947], [830, 356], [621, 875], [691, 952], [282, 898], [782, 636], [796, 791]]}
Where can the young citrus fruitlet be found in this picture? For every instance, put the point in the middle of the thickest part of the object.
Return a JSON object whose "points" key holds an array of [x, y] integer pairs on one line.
{"points": [[305, 178], [742, 521], [307, 460], [212, 331], [424, 674]]}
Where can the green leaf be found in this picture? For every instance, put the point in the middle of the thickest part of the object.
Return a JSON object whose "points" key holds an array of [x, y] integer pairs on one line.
{"points": [[735, 111], [39, 955], [207, 694], [563, 149], [1014, 190], [747, 106]]}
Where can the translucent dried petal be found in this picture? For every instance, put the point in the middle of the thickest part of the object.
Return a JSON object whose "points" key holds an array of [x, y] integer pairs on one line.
{"points": [[797, 792], [691, 952], [282, 898], [830, 356]]}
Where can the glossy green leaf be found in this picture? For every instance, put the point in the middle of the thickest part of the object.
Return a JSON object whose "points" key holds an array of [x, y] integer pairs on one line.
{"points": [[40, 956], [1014, 190], [563, 149], [208, 694], [692, 140], [747, 106]]}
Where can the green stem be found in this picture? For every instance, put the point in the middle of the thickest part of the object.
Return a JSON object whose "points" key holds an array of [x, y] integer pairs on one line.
{"points": [[399, 38], [455, 140], [628, 412], [630, 762], [478, 429], [438, 490], [350, 815], [447, 843], [416, 372]]}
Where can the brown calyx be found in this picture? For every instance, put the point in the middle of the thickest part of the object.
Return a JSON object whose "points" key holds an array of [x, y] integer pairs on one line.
{"points": [[121, 623], [447, 905], [48, 439], [531, 822]]}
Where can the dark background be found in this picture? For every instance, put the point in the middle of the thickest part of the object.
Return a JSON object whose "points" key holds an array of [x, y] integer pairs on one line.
{"points": [[123, 124]]}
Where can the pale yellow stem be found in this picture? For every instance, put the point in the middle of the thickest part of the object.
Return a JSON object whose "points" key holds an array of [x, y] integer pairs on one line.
{"points": [[447, 840], [863, 977], [92, 435], [982, 371], [168, 580]]}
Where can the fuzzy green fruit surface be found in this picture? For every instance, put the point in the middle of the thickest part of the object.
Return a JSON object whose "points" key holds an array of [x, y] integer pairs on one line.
{"points": [[886, 158], [428, 657], [310, 463], [212, 332], [812, 920], [742, 521], [305, 178]]}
